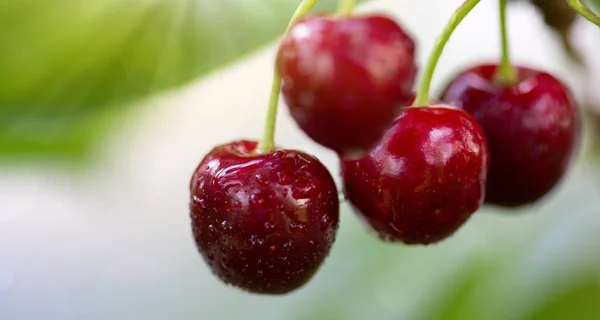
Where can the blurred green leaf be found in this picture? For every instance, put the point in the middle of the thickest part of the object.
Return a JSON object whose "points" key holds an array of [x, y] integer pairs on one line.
{"points": [[581, 301], [66, 62], [458, 296]]}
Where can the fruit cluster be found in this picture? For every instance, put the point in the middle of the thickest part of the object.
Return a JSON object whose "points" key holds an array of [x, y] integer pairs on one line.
{"points": [[265, 219]]}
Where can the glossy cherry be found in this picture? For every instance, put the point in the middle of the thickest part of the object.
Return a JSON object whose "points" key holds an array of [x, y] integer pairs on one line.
{"points": [[424, 179], [263, 222], [531, 127], [344, 78]]}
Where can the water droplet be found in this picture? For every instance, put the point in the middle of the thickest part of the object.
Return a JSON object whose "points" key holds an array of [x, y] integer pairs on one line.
{"points": [[262, 179], [288, 244], [233, 186], [226, 225], [325, 222], [256, 240], [212, 229], [298, 228], [302, 226], [330, 235], [199, 202], [283, 178], [269, 225], [304, 188], [237, 204], [256, 200]]}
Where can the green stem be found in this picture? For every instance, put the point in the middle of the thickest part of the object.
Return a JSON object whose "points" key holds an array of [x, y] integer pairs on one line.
{"points": [[346, 7], [425, 85], [267, 143], [507, 73], [584, 11]]}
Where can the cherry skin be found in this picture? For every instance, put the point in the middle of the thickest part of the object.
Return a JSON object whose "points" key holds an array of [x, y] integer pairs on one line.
{"points": [[531, 127], [424, 179], [263, 222], [343, 79]]}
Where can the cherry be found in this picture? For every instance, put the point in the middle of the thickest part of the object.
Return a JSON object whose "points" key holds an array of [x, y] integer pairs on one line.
{"points": [[263, 222], [424, 179], [344, 78], [531, 127]]}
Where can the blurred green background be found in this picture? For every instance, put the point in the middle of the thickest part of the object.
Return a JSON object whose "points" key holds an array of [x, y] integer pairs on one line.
{"points": [[69, 67], [74, 71]]}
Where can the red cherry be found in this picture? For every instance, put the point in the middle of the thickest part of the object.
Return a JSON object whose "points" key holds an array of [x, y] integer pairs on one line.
{"points": [[531, 127], [344, 78], [424, 179], [263, 222]]}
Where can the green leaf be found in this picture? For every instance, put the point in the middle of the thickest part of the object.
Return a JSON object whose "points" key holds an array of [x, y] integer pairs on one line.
{"points": [[69, 61], [581, 301]]}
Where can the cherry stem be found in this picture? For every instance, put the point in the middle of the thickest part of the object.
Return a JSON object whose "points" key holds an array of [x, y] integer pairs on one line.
{"points": [[507, 74], [267, 143], [425, 85], [345, 8], [584, 11]]}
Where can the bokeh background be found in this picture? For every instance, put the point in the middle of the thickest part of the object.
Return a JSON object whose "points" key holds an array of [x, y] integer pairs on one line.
{"points": [[106, 107]]}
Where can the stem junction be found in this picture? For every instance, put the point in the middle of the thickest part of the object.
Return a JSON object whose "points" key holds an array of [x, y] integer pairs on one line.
{"points": [[507, 74]]}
